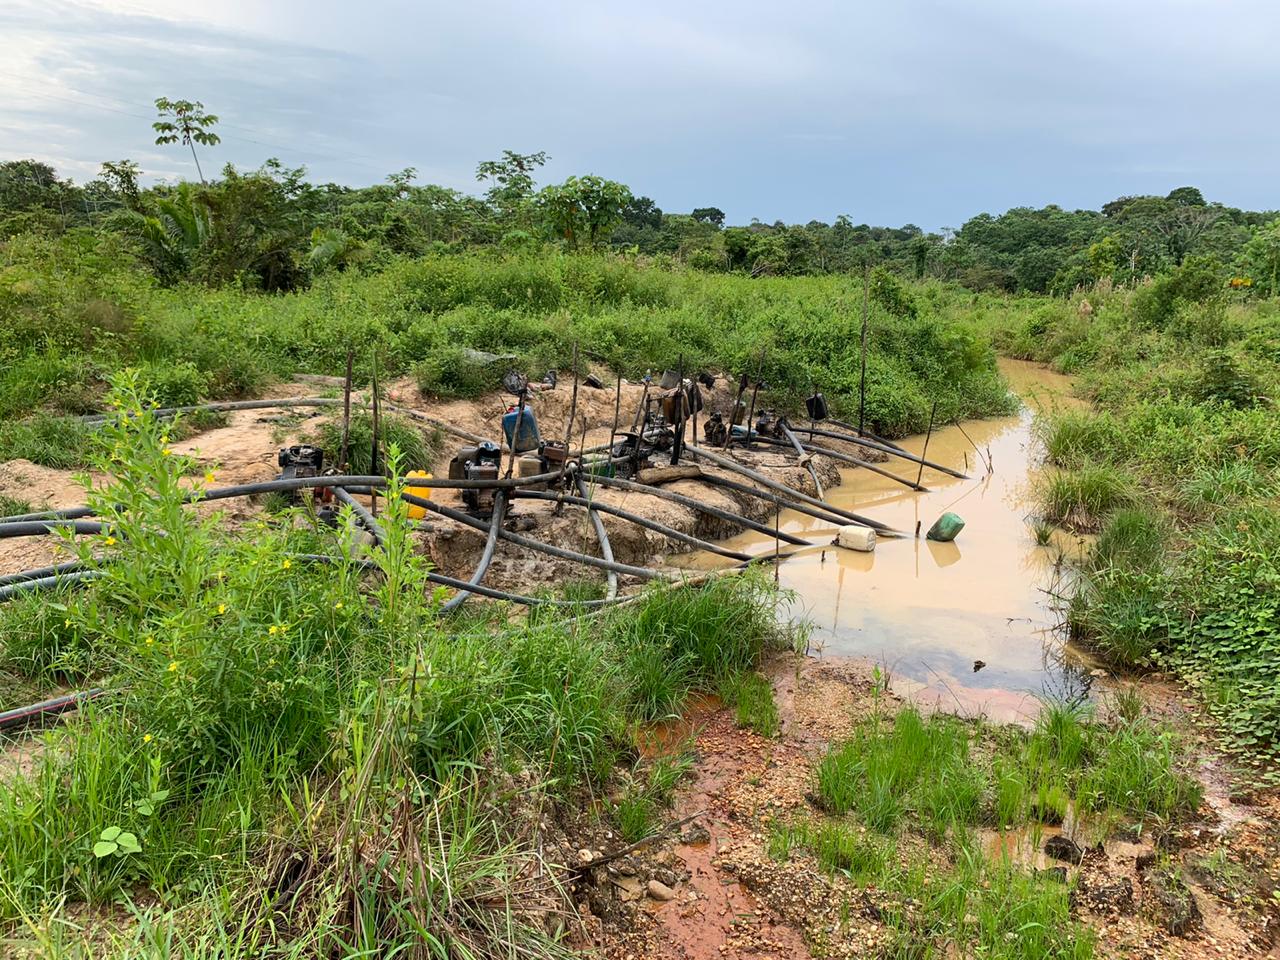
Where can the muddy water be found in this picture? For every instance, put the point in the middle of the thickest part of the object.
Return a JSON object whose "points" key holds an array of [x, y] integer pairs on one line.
{"points": [[929, 612]]}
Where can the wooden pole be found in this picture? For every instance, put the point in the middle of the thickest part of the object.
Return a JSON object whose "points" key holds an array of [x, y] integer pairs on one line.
{"points": [[373, 452], [862, 380], [346, 413], [925, 452]]}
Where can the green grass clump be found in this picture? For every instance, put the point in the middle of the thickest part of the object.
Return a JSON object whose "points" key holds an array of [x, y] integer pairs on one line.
{"points": [[1227, 484], [1082, 499], [1132, 537], [638, 812], [50, 441], [451, 371], [418, 448], [1073, 438], [14, 506], [838, 847], [880, 773], [751, 697]]}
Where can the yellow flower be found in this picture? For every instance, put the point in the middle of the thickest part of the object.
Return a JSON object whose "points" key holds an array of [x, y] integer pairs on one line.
{"points": [[110, 541], [208, 476], [287, 564], [147, 738], [222, 608], [173, 665], [338, 605], [165, 452], [149, 641], [66, 622], [165, 438], [273, 630]]}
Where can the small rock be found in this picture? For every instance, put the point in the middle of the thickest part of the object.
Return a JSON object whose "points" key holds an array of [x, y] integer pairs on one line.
{"points": [[1063, 848], [627, 867], [660, 891], [978, 665], [584, 856], [1171, 903], [697, 835]]}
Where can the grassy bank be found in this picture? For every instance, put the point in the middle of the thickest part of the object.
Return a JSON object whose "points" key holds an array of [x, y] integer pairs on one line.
{"points": [[1176, 467], [72, 312], [932, 821], [311, 759]]}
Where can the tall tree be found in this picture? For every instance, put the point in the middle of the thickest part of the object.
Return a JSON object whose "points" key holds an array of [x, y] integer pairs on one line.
{"points": [[709, 215], [186, 121], [587, 205], [122, 177], [510, 183]]}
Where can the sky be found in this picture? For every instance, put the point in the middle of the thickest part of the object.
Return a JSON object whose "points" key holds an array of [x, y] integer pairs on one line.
{"points": [[914, 111]]}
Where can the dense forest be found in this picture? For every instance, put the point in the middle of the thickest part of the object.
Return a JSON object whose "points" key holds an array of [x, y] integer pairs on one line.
{"points": [[271, 229]]}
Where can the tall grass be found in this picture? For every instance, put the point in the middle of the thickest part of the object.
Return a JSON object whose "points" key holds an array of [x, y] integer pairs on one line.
{"points": [[256, 701], [1082, 499]]}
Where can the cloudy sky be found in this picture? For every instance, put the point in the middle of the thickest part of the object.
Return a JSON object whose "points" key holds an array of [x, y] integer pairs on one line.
{"points": [[923, 111]]}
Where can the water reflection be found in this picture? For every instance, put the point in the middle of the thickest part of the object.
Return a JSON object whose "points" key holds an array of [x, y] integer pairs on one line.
{"points": [[929, 611]]}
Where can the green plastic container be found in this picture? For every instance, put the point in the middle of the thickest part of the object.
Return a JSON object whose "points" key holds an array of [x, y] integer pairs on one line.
{"points": [[945, 528], [598, 465]]}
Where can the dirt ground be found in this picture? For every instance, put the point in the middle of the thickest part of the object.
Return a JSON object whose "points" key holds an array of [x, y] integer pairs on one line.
{"points": [[731, 900], [245, 449], [712, 891]]}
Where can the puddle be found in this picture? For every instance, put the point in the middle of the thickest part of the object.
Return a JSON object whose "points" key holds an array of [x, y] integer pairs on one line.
{"points": [[928, 611]]}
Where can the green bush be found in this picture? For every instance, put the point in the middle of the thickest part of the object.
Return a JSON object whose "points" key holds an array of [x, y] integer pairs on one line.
{"points": [[174, 384]]}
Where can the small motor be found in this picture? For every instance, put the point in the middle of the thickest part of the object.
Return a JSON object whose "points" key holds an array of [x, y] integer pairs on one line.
{"points": [[301, 460], [768, 425], [713, 431], [553, 454], [484, 464]]}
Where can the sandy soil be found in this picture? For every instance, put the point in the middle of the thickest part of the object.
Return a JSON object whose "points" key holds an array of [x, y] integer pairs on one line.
{"points": [[245, 450]]}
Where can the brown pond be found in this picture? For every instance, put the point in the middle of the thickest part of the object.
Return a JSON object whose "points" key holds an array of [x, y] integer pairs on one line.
{"points": [[929, 611]]}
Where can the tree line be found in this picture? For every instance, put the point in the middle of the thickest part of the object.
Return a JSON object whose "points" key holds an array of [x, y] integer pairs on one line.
{"points": [[273, 229]]}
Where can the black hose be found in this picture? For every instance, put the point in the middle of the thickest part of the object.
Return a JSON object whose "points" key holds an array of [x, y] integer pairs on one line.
{"points": [[726, 515], [849, 459], [867, 433], [51, 707], [301, 483], [486, 557], [792, 495], [638, 520], [884, 448], [40, 573], [531, 544], [46, 583], [606, 549], [367, 519], [38, 528], [759, 494]]}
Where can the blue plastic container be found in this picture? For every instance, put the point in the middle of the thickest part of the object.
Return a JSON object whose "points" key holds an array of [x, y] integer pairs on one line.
{"points": [[529, 438]]}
